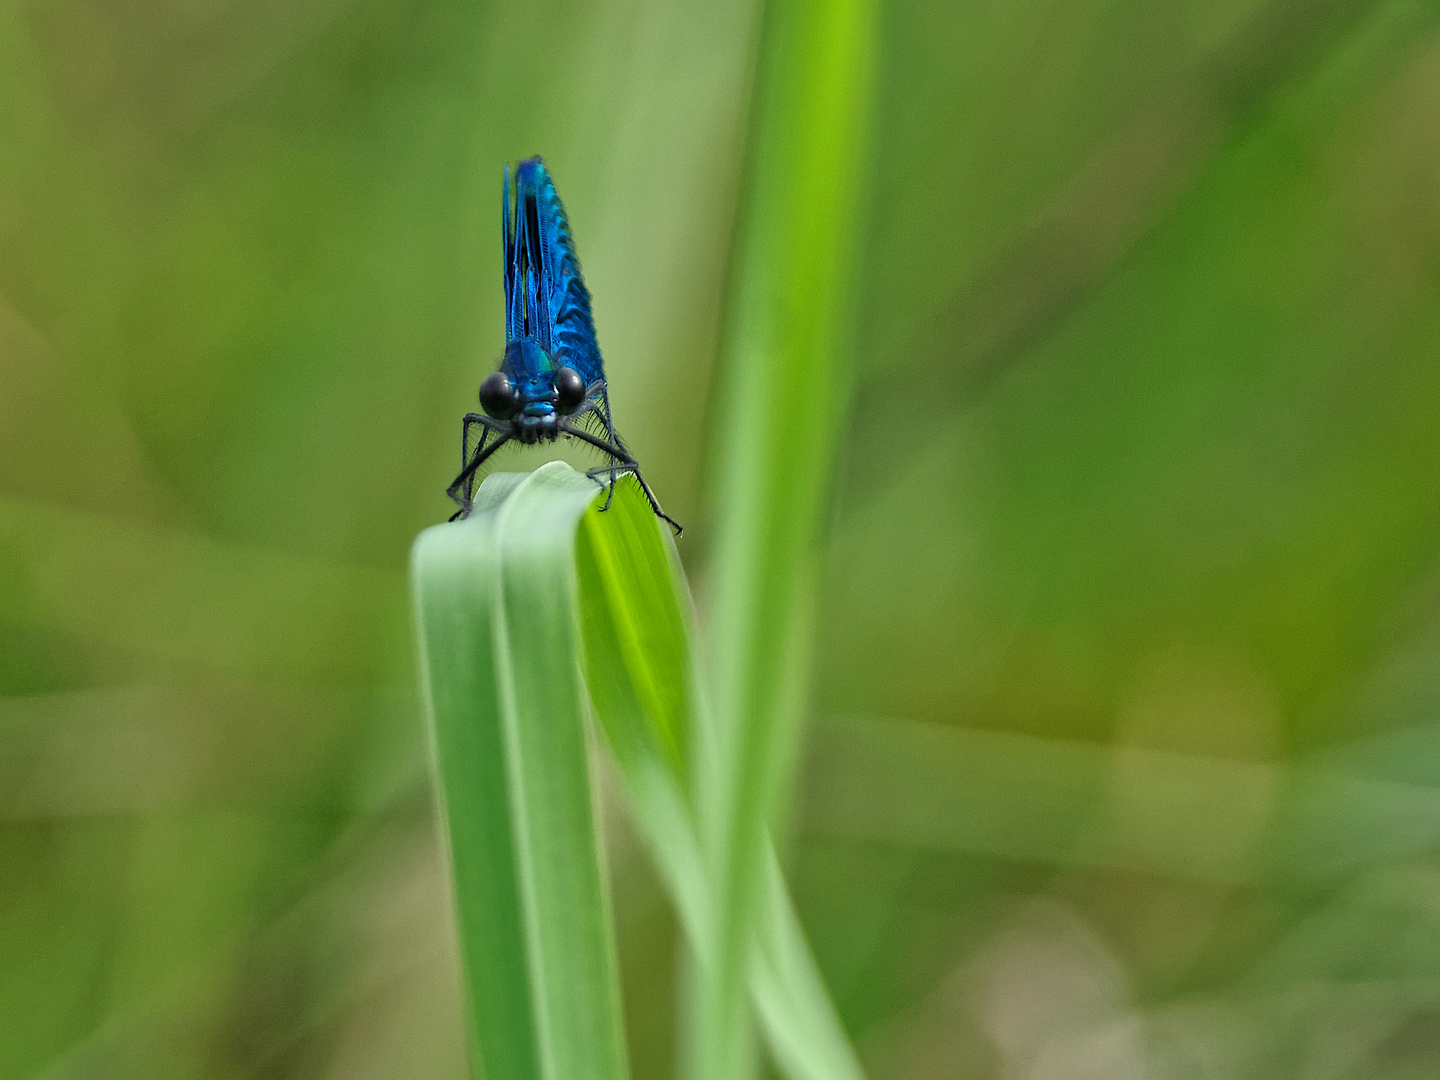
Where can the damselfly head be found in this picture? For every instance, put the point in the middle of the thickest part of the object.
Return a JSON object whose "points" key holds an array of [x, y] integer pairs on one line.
{"points": [[531, 393], [531, 384]]}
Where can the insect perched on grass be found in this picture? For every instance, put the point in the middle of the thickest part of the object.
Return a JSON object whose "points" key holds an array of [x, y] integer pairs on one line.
{"points": [[551, 380]]}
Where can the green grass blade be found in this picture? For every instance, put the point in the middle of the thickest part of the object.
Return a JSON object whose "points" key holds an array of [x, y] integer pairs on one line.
{"points": [[494, 598], [631, 585], [456, 580], [636, 638], [636, 634], [799, 1021], [783, 392], [574, 967]]}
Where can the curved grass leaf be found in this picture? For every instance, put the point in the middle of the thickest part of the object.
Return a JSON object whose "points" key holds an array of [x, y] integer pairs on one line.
{"points": [[494, 600], [497, 603]]}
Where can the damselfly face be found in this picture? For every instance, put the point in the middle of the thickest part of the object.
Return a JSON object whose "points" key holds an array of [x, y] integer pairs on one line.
{"points": [[531, 392]]}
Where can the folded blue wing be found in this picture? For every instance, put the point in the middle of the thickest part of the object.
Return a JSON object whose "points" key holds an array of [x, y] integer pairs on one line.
{"points": [[545, 295]]}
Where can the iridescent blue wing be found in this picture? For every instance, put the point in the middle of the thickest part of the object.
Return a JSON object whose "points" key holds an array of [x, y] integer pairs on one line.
{"points": [[545, 294]]}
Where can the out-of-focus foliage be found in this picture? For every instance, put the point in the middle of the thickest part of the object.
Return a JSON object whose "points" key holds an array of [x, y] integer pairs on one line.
{"points": [[1123, 758], [780, 401]]}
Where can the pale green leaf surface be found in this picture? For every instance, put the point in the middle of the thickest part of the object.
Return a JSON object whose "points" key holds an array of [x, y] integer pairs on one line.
{"points": [[454, 571], [497, 644]]}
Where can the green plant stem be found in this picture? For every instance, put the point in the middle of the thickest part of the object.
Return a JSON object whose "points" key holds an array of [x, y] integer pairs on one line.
{"points": [[785, 386]]}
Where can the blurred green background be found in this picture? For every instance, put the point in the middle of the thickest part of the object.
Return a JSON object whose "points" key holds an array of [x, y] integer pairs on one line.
{"points": [[1124, 757]]}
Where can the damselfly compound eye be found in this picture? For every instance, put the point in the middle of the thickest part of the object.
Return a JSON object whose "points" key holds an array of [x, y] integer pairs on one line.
{"points": [[497, 396], [569, 390]]}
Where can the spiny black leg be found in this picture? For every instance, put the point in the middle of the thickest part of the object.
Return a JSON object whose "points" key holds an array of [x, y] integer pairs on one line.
{"points": [[655, 503], [470, 420], [614, 449], [610, 472], [625, 464], [490, 425], [598, 394], [609, 424], [499, 427], [614, 472], [467, 473], [590, 406]]}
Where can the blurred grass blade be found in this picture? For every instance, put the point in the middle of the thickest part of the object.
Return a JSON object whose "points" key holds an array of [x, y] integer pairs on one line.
{"points": [[640, 672], [785, 384], [801, 1027], [494, 598]]}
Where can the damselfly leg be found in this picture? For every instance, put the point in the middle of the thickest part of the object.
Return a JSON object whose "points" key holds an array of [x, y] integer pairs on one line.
{"points": [[462, 488], [624, 464], [598, 395], [613, 473]]}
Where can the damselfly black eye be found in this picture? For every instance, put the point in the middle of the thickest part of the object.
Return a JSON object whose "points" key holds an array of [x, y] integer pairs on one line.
{"points": [[497, 396], [569, 390]]}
